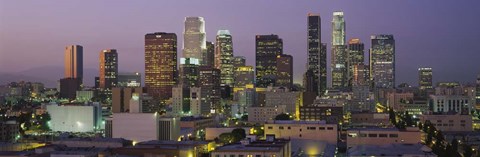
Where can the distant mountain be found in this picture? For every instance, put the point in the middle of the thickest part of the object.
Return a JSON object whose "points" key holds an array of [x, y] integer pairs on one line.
{"points": [[49, 75]]}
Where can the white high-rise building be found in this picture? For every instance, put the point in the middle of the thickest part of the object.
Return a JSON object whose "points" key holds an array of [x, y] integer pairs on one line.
{"points": [[194, 38]]}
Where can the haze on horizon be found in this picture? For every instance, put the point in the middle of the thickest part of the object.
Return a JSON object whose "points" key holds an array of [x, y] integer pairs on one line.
{"points": [[440, 34]]}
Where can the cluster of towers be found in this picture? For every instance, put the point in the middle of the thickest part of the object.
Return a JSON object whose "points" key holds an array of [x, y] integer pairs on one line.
{"points": [[348, 67]]}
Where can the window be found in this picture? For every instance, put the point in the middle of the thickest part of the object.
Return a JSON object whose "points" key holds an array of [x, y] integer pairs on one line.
{"points": [[321, 128], [393, 135], [270, 127], [382, 135], [372, 135], [329, 128], [258, 155], [232, 155], [280, 127], [352, 134], [363, 135], [288, 128]]}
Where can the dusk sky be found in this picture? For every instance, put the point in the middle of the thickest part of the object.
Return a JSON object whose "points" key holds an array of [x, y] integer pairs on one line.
{"points": [[441, 34]]}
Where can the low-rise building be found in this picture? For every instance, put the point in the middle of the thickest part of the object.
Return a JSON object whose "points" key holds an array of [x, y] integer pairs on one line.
{"points": [[270, 147], [391, 150], [197, 123], [212, 133], [328, 110], [382, 136], [369, 119], [257, 114], [312, 130], [449, 122], [140, 127], [75, 117], [9, 131], [165, 148], [94, 142]]}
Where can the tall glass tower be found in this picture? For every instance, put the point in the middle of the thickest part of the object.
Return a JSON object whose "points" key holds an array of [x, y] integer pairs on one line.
{"points": [[160, 64], [382, 61], [194, 38], [317, 59], [339, 54], [224, 57], [108, 77], [267, 48], [74, 61]]}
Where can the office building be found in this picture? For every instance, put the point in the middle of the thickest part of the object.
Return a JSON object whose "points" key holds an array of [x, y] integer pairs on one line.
{"points": [[339, 66], [447, 103], [160, 64], [317, 58], [263, 114], [270, 147], [194, 38], [209, 81], [74, 61], [9, 131], [369, 119], [267, 48], [280, 96], [322, 109], [122, 96], [224, 57], [108, 69], [391, 150], [189, 72], [382, 136], [75, 117], [69, 88], [244, 75], [449, 122], [312, 130], [284, 71], [129, 79], [356, 56], [209, 55], [85, 95], [477, 95], [425, 78], [382, 61], [239, 61]]}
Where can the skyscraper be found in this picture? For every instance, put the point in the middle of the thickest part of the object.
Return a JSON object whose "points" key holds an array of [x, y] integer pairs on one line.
{"points": [[477, 95], [239, 61], [209, 80], [317, 59], [194, 38], [356, 56], [160, 64], [267, 48], [339, 53], [425, 78], [382, 61], [209, 55], [244, 75], [74, 61], [108, 77], [224, 56], [284, 71], [189, 72]]}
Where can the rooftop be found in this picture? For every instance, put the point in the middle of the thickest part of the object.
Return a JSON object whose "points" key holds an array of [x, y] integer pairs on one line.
{"points": [[390, 150]]}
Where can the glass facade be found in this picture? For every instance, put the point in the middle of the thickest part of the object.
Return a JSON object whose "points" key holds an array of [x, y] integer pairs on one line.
{"points": [[267, 48], [382, 61], [224, 57], [108, 77], [160, 64], [339, 52], [317, 58], [194, 38]]}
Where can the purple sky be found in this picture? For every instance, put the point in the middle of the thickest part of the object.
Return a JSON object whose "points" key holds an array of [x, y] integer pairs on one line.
{"points": [[437, 33]]}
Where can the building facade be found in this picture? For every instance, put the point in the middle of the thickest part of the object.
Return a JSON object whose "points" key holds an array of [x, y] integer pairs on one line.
{"points": [[194, 38], [425, 78], [129, 80], [160, 64], [284, 71], [339, 65], [312, 130], [356, 57], [108, 69], [74, 61], [244, 75], [267, 48], [317, 59], [382, 61], [224, 57], [382, 136]]}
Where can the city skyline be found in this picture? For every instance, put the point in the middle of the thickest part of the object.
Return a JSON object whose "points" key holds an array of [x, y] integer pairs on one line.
{"points": [[413, 35]]}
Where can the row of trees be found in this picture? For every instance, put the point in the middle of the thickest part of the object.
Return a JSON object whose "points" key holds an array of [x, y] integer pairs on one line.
{"points": [[405, 119], [440, 146]]}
